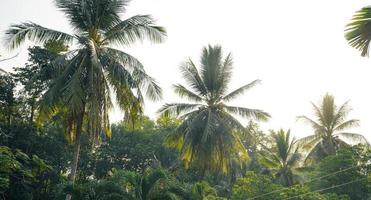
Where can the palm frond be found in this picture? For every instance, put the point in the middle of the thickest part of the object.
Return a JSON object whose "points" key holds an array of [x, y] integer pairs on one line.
{"points": [[225, 74], [308, 142], [354, 137], [176, 109], [268, 162], [341, 114], [138, 27], [294, 159], [191, 75], [211, 63], [271, 153], [209, 127], [348, 124], [240, 90], [246, 112], [86, 14], [126, 63], [318, 114], [316, 126], [328, 109], [73, 91], [18, 33], [184, 92], [231, 122], [358, 31]]}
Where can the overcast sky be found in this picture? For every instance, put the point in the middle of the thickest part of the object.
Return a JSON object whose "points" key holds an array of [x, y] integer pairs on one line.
{"points": [[297, 48]]}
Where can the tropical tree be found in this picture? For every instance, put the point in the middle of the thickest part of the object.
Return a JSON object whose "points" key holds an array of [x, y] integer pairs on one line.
{"points": [[207, 137], [282, 158], [358, 31], [329, 128], [152, 184], [89, 72], [8, 100], [253, 140], [37, 74], [356, 161]]}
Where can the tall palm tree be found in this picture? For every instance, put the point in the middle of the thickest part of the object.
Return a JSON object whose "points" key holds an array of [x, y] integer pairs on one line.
{"points": [[329, 128], [208, 137], [93, 69], [282, 158], [358, 31]]}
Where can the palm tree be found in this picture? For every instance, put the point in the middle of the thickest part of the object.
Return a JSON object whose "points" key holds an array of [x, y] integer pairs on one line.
{"points": [[151, 184], [282, 158], [329, 128], [358, 32], [93, 69], [207, 137]]}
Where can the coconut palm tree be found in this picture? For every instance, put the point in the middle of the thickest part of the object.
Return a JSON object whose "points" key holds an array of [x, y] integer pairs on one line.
{"points": [[282, 158], [329, 128], [358, 31], [151, 184], [207, 137], [90, 71]]}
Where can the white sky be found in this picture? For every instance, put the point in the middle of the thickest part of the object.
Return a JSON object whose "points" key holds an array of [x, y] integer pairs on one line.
{"points": [[296, 48]]}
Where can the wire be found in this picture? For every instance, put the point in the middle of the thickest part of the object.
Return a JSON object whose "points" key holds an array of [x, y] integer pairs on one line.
{"points": [[314, 179], [5, 59], [335, 186]]}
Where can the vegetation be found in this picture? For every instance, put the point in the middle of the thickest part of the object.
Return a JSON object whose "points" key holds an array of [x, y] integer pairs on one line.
{"points": [[358, 31], [208, 137], [87, 74], [329, 128], [282, 158], [54, 120]]}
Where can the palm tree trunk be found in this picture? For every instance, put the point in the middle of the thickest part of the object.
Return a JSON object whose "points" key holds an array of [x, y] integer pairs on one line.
{"points": [[328, 146], [76, 153], [332, 149]]}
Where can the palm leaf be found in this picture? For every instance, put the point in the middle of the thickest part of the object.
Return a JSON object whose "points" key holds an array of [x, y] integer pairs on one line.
{"points": [[191, 75], [316, 126], [246, 112], [354, 137], [209, 127], [225, 74], [348, 124], [293, 159], [231, 121], [129, 64], [184, 92], [341, 114], [135, 28], [211, 63], [84, 15], [176, 109], [358, 31], [309, 141], [318, 114], [18, 33], [240, 90]]}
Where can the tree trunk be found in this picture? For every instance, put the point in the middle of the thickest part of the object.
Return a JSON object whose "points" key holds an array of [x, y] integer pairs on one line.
{"points": [[330, 148], [32, 112], [76, 153]]}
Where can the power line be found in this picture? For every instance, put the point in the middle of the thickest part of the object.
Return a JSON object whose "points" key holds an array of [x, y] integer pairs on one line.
{"points": [[320, 190], [314, 179]]}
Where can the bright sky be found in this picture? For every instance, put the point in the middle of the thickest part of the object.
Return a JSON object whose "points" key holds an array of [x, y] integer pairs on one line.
{"points": [[297, 48]]}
